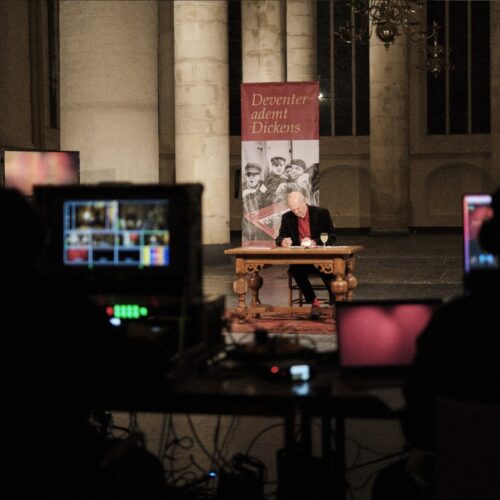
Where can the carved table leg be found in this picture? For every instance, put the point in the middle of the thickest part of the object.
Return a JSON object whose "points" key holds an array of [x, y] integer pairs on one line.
{"points": [[240, 285], [352, 281], [255, 283], [339, 286]]}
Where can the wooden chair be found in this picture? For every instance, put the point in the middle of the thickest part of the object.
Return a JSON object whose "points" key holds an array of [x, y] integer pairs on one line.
{"points": [[467, 460], [293, 289]]}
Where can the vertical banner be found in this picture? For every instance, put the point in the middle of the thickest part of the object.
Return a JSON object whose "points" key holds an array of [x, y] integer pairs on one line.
{"points": [[279, 151]]}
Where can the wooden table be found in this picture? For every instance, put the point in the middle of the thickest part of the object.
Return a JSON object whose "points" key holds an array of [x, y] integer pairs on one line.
{"points": [[336, 260]]}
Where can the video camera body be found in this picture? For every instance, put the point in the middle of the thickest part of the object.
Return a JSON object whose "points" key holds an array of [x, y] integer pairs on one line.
{"points": [[135, 251]]}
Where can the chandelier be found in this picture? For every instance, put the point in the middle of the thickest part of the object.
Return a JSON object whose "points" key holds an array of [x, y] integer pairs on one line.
{"points": [[389, 18], [437, 58]]}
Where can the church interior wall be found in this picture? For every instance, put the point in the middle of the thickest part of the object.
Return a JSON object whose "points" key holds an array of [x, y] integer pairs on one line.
{"points": [[15, 91], [345, 191], [437, 188], [24, 85], [441, 167]]}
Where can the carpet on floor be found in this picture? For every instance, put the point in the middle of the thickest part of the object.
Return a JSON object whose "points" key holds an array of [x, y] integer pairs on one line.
{"points": [[281, 323]]}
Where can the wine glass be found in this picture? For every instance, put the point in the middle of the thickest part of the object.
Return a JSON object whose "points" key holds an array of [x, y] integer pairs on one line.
{"points": [[324, 238]]}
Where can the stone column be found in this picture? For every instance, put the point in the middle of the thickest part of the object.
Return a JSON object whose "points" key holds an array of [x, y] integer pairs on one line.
{"points": [[389, 126], [301, 41], [166, 91], [263, 41], [109, 88], [495, 93], [202, 108]]}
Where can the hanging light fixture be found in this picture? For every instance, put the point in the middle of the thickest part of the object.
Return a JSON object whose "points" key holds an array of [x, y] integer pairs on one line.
{"points": [[437, 57], [389, 18]]}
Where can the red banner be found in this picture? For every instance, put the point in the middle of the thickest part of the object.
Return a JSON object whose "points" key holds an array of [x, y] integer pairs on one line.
{"points": [[280, 153], [279, 111]]}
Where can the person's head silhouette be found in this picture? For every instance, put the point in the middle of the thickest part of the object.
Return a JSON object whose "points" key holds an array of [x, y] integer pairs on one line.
{"points": [[22, 234]]}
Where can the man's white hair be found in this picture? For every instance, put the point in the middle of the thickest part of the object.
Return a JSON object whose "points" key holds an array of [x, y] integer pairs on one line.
{"points": [[295, 195]]}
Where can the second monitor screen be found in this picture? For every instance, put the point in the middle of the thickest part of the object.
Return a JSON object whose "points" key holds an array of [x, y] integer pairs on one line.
{"points": [[115, 233], [476, 209], [24, 169]]}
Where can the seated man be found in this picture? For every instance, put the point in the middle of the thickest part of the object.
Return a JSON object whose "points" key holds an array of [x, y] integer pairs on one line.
{"points": [[304, 224]]}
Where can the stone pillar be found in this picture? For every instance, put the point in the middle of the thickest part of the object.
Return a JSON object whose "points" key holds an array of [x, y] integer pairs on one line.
{"points": [[16, 125], [202, 108], [109, 82], [301, 41], [495, 93], [389, 126], [166, 92], [263, 41]]}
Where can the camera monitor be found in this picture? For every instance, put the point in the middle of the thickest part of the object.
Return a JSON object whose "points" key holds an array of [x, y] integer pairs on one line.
{"points": [[125, 239], [378, 337], [23, 169], [476, 209]]}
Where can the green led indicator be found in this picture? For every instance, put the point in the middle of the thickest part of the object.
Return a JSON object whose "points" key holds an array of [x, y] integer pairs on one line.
{"points": [[129, 311]]}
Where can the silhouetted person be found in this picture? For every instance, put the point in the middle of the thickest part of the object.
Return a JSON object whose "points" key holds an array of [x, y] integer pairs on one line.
{"points": [[55, 348], [50, 340], [457, 358]]}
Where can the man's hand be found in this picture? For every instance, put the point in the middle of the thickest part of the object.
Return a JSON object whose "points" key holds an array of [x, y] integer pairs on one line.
{"points": [[306, 242], [286, 242]]}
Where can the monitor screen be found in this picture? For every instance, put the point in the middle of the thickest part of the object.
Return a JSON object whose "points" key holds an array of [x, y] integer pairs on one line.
{"points": [[476, 209], [115, 233], [24, 169], [125, 239], [381, 334]]}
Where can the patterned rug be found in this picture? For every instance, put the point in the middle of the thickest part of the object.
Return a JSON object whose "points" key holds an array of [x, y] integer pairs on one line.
{"points": [[298, 323]]}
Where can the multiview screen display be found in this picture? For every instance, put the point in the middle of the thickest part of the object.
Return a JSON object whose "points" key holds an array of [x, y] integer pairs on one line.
{"points": [[116, 233]]}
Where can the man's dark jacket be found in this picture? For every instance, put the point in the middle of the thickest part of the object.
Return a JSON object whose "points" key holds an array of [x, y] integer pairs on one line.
{"points": [[319, 221]]}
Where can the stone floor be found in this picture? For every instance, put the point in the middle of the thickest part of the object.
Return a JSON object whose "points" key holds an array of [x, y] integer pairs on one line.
{"points": [[413, 266], [389, 267]]}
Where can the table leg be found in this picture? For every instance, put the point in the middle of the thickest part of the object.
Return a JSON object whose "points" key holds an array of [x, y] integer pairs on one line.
{"points": [[240, 285], [306, 434], [255, 283], [339, 286], [326, 438], [289, 432], [328, 458], [340, 462], [352, 281]]}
